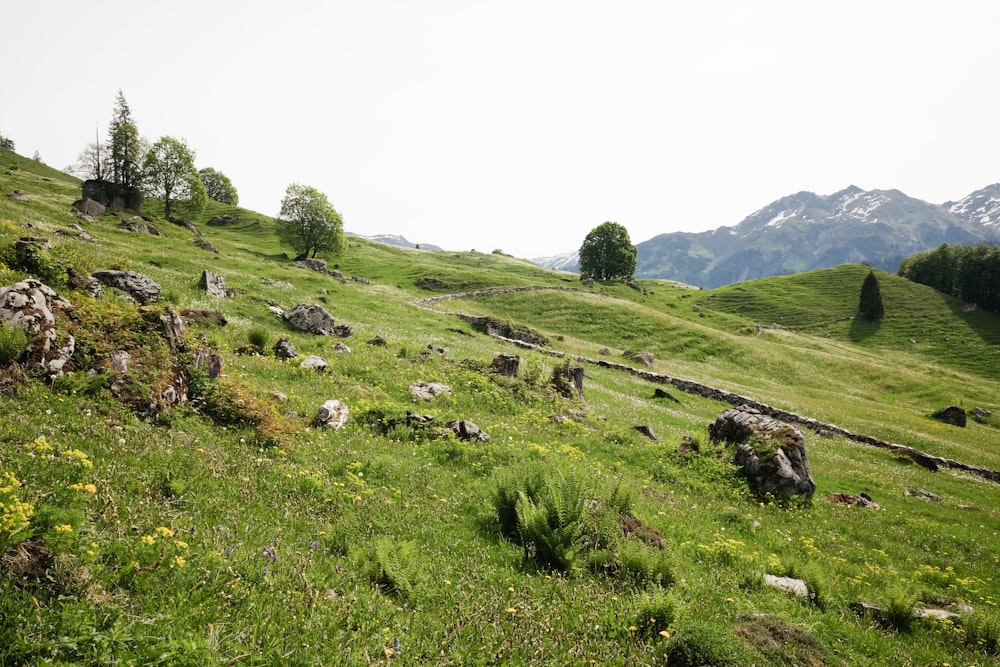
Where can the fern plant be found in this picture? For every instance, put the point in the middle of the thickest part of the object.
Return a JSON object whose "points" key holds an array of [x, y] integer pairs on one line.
{"points": [[552, 528]]}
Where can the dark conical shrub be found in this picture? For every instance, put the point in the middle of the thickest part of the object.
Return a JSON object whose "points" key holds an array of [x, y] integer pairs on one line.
{"points": [[871, 307]]}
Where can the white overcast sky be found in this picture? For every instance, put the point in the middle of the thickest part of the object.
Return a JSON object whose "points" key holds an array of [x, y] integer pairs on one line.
{"points": [[521, 125]]}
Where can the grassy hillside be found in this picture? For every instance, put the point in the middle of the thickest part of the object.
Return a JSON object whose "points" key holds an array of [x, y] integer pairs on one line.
{"points": [[233, 530]]}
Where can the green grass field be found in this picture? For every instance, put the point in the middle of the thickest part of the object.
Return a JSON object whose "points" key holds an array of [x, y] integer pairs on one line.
{"points": [[233, 531]]}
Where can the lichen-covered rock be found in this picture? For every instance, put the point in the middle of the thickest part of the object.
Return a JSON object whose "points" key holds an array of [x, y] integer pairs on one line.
{"points": [[31, 305], [466, 430], [213, 283], [425, 391], [311, 318], [141, 288], [332, 413], [772, 455]]}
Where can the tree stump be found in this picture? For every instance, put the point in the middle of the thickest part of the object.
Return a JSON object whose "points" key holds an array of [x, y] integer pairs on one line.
{"points": [[507, 364]]}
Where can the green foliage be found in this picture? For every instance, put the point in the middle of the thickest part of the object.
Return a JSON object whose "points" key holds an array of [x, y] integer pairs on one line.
{"points": [[259, 337], [218, 186], [871, 306], [703, 643], [308, 223], [7, 143], [13, 343], [169, 174], [607, 253], [509, 485], [393, 566], [552, 526], [971, 273], [125, 146], [656, 613]]}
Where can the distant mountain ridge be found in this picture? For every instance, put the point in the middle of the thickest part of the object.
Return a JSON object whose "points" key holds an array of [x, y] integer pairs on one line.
{"points": [[806, 231], [396, 240]]}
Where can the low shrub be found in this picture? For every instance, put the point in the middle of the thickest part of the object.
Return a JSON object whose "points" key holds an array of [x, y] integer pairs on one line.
{"points": [[13, 344], [699, 643], [392, 566]]}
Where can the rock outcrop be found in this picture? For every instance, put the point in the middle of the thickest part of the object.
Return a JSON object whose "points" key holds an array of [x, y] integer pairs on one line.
{"points": [[771, 454], [311, 318], [141, 288]]}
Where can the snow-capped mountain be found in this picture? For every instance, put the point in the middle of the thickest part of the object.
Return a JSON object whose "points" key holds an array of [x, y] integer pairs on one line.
{"points": [[568, 261], [396, 240], [806, 231]]}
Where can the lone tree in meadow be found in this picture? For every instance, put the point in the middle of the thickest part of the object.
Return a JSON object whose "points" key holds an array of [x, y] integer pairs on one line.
{"points": [[219, 187], [308, 223], [607, 253], [126, 147], [871, 307], [170, 174]]}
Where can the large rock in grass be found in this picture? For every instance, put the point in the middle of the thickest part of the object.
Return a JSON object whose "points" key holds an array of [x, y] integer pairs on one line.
{"points": [[311, 318], [213, 283], [771, 454], [141, 288], [31, 305]]}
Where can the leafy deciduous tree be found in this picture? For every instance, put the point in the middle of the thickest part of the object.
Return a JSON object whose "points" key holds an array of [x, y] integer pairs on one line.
{"points": [[308, 223], [607, 253], [91, 163], [871, 307], [170, 174], [6, 143], [219, 187]]}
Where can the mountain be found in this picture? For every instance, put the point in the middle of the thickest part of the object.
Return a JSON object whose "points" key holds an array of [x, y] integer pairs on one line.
{"points": [[567, 261], [806, 231], [396, 240]]}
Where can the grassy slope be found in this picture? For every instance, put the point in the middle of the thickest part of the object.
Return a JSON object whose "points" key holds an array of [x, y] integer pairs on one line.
{"points": [[112, 595]]}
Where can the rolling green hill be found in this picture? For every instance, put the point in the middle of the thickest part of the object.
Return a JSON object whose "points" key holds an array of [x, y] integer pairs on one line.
{"points": [[231, 529]]}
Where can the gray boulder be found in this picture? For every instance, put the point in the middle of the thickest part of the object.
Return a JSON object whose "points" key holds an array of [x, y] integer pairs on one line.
{"points": [[466, 430], [315, 362], [140, 227], [771, 454], [213, 283], [141, 288], [284, 349], [425, 391], [88, 206], [31, 305], [311, 318], [332, 413], [312, 264]]}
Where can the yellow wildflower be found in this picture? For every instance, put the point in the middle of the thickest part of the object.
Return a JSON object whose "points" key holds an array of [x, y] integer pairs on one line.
{"points": [[148, 539], [164, 531], [64, 528]]}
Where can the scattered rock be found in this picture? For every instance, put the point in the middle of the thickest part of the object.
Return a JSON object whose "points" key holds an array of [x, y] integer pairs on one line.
{"points": [[426, 391], [343, 331], [647, 431], [340, 347], [315, 362], [88, 206], [923, 493], [210, 362], [213, 283], [221, 221], [660, 393], [359, 280], [604, 352], [311, 264], [81, 233], [466, 430], [588, 282], [507, 364], [120, 360], [952, 414], [205, 245], [645, 358], [788, 584], [141, 288], [492, 326], [139, 227], [277, 310], [566, 379], [377, 341], [284, 349], [860, 500], [278, 396], [436, 348], [311, 318], [558, 419], [332, 413], [981, 415], [18, 195]]}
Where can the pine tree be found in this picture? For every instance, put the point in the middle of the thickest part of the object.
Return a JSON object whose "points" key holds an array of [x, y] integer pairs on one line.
{"points": [[871, 306]]}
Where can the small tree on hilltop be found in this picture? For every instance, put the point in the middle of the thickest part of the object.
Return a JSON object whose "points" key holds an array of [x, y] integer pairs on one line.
{"points": [[607, 253], [219, 187], [871, 306], [308, 223], [170, 174]]}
